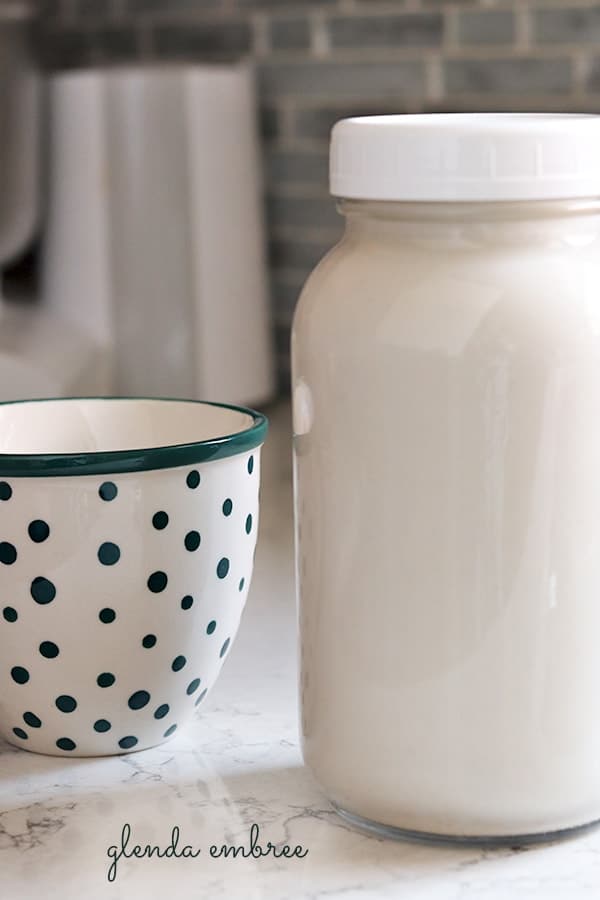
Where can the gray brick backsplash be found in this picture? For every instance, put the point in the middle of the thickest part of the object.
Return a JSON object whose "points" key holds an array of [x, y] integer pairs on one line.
{"points": [[520, 75], [281, 5], [297, 167], [284, 378], [284, 375], [403, 30], [285, 295], [290, 34], [65, 48], [593, 77], [268, 122], [486, 26], [559, 26], [282, 337], [322, 60], [316, 122], [96, 45], [198, 41], [290, 253], [329, 79], [114, 43], [99, 10], [172, 8], [52, 8], [297, 211]]}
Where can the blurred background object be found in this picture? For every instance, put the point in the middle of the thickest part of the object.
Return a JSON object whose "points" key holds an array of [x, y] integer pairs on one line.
{"points": [[320, 60], [154, 238], [39, 354], [151, 252], [19, 127]]}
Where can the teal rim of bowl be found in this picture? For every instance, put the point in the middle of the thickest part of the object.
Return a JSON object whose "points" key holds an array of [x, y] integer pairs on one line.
{"points": [[115, 462]]}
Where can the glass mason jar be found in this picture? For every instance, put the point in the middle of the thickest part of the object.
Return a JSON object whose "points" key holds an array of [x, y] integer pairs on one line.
{"points": [[446, 388]]}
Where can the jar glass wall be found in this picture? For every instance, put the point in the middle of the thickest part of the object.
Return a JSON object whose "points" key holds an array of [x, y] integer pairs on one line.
{"points": [[446, 373]]}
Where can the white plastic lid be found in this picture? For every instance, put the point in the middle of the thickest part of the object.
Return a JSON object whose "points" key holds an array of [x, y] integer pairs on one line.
{"points": [[466, 157]]}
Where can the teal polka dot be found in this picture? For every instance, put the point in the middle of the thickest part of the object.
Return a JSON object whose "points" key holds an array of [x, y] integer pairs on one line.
{"points": [[241, 584], [170, 731], [193, 479], [8, 553], [10, 614], [107, 615], [32, 720], [20, 733], [161, 711], [108, 491], [66, 743], [225, 648], [19, 674], [227, 507], [157, 582], [160, 520], [49, 649], [187, 602], [5, 490], [192, 686], [66, 703], [192, 541], [102, 725], [248, 524], [105, 679], [178, 663], [138, 700], [223, 567], [148, 641], [251, 465], [126, 743], [38, 531], [211, 627], [42, 590], [109, 554], [201, 697]]}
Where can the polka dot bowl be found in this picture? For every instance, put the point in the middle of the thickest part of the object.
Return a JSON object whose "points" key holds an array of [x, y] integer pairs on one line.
{"points": [[127, 537]]}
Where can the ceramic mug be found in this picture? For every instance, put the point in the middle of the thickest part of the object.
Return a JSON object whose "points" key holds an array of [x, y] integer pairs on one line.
{"points": [[127, 537]]}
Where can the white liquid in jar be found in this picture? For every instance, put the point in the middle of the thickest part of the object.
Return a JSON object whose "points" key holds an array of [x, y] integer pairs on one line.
{"points": [[448, 509]]}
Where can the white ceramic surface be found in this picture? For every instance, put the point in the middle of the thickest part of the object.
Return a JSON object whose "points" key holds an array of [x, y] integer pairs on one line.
{"points": [[121, 587]]}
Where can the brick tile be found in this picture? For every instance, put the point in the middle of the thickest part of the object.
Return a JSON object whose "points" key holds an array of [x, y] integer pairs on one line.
{"points": [[355, 80], [284, 210], [404, 30], [486, 26], [296, 167], [289, 34], [518, 75], [316, 122], [558, 26], [214, 40], [288, 253]]}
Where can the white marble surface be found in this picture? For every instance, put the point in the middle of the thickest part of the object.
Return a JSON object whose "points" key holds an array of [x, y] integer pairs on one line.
{"points": [[237, 765]]}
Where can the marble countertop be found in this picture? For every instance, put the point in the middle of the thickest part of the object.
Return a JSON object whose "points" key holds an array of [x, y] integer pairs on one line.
{"points": [[237, 766]]}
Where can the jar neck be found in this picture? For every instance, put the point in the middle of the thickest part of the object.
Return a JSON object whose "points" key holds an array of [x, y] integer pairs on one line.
{"points": [[573, 221]]}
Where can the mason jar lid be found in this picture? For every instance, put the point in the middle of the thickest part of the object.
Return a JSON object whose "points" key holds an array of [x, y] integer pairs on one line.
{"points": [[466, 157]]}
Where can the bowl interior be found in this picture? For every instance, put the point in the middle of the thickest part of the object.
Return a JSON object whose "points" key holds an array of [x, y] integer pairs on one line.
{"points": [[102, 425]]}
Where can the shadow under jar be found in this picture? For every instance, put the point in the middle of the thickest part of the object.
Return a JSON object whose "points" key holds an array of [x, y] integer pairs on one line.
{"points": [[446, 369]]}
